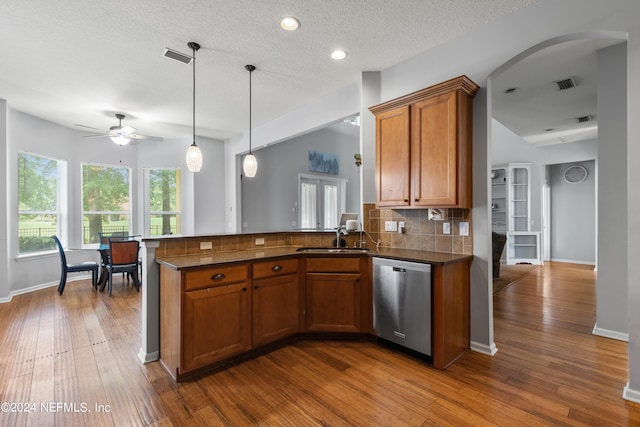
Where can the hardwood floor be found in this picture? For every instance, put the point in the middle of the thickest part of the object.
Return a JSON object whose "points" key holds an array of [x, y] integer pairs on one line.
{"points": [[80, 349]]}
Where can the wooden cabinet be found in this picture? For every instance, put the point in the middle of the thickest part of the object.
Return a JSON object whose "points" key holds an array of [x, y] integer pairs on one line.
{"points": [[451, 315], [424, 147], [276, 300], [337, 296], [204, 316]]}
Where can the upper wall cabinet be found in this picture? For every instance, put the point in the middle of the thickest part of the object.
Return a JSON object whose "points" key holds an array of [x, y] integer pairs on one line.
{"points": [[424, 147]]}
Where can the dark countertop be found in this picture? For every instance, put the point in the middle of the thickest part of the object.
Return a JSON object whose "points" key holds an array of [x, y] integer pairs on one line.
{"points": [[202, 260]]}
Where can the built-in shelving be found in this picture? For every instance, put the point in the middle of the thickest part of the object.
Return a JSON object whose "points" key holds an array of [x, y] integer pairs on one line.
{"points": [[511, 212]]}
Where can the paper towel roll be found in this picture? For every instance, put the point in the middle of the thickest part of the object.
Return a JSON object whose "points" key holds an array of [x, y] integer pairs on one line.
{"points": [[352, 225]]}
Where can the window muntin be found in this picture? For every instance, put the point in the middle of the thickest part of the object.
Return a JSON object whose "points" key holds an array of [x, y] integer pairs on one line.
{"points": [[106, 201]]}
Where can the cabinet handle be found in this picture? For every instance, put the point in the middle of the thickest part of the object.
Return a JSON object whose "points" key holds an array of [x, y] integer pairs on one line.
{"points": [[416, 200], [406, 200], [244, 289], [256, 287], [276, 268], [218, 276]]}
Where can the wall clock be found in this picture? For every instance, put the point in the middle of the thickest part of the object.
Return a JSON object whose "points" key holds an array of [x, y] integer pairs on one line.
{"points": [[575, 174]]}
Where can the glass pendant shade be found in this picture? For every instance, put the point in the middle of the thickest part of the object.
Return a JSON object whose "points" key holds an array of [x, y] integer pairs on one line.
{"points": [[250, 165], [194, 158], [120, 139]]}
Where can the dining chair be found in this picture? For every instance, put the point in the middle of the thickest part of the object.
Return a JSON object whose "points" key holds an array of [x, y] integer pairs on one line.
{"points": [[73, 268], [123, 258]]}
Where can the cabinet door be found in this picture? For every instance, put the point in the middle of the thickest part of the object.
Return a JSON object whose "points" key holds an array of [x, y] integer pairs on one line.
{"points": [[216, 324], [392, 157], [333, 302], [435, 151], [275, 308]]}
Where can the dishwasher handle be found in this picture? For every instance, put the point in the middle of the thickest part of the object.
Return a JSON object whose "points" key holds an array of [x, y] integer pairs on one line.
{"points": [[400, 270]]}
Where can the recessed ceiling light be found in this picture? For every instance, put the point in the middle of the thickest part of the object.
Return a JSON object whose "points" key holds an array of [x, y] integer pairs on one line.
{"points": [[512, 90], [338, 54], [289, 23]]}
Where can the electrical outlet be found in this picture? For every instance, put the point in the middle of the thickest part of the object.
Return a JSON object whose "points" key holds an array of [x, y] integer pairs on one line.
{"points": [[446, 228], [464, 228], [206, 246], [401, 227], [259, 241], [390, 226]]}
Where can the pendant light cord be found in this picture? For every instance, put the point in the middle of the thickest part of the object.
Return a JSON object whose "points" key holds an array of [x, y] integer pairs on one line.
{"points": [[194, 47], [251, 69]]}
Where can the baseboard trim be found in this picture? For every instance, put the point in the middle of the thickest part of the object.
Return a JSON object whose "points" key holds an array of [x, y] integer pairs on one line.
{"points": [[148, 357], [489, 350], [630, 394], [572, 261], [40, 287], [620, 336]]}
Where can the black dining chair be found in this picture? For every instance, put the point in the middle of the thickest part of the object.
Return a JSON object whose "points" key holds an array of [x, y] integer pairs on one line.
{"points": [[123, 258], [73, 268]]}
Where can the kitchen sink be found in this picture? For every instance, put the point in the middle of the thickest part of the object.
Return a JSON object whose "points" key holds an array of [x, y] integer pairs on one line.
{"points": [[333, 250]]}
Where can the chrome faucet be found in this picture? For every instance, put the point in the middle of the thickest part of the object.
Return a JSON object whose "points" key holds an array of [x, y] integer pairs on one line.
{"points": [[340, 231]]}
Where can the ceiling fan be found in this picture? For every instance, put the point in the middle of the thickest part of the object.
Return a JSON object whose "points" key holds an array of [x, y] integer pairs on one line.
{"points": [[121, 135]]}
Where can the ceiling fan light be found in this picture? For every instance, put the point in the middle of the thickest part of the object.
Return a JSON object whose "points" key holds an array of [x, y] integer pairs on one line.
{"points": [[120, 139], [194, 158], [250, 166]]}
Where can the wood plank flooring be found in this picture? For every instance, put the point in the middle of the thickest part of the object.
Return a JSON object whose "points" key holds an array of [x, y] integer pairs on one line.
{"points": [[74, 358]]}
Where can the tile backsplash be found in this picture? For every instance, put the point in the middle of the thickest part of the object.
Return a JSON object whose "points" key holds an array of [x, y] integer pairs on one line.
{"points": [[419, 233]]}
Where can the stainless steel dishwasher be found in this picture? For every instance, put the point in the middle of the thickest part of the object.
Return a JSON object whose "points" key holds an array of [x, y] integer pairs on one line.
{"points": [[402, 303]]}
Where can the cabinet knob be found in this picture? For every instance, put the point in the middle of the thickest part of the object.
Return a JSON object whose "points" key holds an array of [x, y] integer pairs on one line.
{"points": [[256, 287], [244, 289], [406, 200], [218, 276], [416, 200], [276, 267]]}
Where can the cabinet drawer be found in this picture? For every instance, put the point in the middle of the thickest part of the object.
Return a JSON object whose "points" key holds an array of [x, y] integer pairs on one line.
{"points": [[215, 276], [337, 264], [274, 268]]}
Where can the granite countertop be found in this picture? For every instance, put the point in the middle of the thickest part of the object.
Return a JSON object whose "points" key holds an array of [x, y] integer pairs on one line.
{"points": [[202, 260]]}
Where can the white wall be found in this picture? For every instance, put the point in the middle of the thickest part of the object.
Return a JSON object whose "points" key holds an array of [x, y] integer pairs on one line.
{"points": [[269, 199], [612, 283], [573, 215]]}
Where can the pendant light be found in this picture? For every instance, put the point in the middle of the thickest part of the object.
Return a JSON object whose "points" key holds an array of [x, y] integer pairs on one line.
{"points": [[194, 155], [250, 164]]}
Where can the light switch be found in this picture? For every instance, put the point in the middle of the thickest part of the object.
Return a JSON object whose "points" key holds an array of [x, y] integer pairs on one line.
{"points": [[446, 228], [390, 226]]}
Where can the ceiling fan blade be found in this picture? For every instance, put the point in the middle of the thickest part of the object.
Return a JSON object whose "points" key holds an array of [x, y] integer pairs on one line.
{"points": [[88, 127], [138, 136], [95, 136], [126, 130]]}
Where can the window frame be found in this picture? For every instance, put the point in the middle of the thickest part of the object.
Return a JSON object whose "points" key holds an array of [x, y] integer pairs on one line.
{"points": [[320, 180], [129, 213], [147, 199], [61, 211]]}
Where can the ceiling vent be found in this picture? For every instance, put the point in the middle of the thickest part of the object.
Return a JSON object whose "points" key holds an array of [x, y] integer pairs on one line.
{"points": [[583, 119], [177, 56], [566, 83]]}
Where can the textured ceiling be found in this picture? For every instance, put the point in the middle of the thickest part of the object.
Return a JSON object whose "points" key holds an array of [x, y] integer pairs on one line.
{"points": [[81, 61]]}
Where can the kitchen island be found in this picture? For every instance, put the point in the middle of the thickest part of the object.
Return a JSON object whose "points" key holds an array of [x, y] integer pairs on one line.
{"points": [[218, 308]]}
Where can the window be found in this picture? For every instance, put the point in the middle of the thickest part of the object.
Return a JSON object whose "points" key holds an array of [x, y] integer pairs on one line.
{"points": [[106, 201], [163, 201], [321, 201], [39, 212]]}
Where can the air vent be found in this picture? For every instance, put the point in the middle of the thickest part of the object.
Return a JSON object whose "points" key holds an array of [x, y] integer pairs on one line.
{"points": [[583, 119], [566, 83], [177, 56]]}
